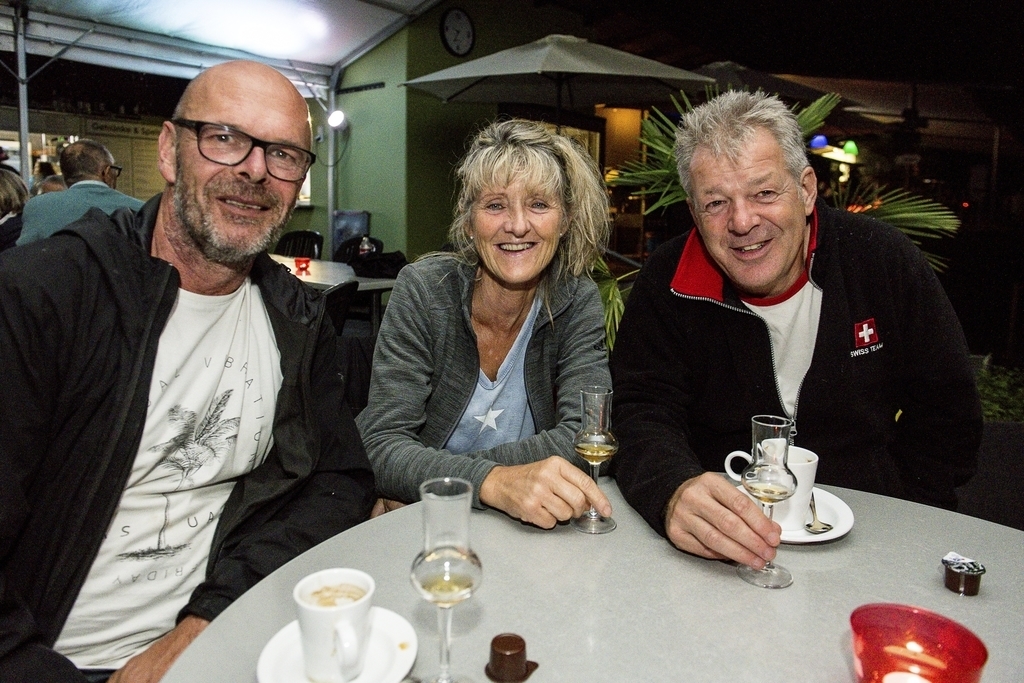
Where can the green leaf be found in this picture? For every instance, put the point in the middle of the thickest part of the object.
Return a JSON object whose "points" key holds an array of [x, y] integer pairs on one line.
{"points": [[813, 116], [1002, 393], [613, 297]]}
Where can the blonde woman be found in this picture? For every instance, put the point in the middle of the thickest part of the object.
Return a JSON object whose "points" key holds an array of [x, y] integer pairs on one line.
{"points": [[482, 352]]}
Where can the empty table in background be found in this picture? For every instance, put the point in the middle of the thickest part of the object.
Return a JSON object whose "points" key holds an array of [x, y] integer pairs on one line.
{"points": [[326, 275]]}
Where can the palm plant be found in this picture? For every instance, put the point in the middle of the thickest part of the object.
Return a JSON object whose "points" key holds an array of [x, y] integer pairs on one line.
{"points": [[918, 217], [655, 176]]}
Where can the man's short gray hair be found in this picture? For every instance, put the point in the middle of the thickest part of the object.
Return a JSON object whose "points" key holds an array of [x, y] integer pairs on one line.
{"points": [[726, 124], [84, 160]]}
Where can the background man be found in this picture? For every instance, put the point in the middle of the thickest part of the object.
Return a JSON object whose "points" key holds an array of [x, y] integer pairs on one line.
{"points": [[777, 304], [172, 426], [91, 178]]}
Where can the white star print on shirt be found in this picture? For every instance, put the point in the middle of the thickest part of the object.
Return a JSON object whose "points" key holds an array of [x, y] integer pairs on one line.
{"points": [[488, 420]]}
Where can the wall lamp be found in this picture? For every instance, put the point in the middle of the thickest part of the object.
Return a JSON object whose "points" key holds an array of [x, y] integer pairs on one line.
{"points": [[335, 118]]}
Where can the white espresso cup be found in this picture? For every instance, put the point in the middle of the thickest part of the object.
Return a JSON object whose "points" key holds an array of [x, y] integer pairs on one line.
{"points": [[793, 513], [333, 606]]}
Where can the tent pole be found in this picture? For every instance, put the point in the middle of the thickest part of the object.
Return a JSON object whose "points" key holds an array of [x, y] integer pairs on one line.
{"points": [[332, 146], [332, 192], [24, 154]]}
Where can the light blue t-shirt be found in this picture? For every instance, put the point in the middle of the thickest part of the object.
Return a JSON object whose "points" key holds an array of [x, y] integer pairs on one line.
{"points": [[498, 411]]}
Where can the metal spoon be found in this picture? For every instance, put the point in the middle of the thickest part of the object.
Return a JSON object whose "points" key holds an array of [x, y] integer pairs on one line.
{"points": [[816, 526]]}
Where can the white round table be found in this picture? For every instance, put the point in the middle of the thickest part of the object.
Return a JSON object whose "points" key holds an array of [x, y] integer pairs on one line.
{"points": [[627, 606]]}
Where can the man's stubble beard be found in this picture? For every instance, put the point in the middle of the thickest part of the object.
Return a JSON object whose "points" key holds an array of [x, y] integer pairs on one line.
{"points": [[200, 227]]}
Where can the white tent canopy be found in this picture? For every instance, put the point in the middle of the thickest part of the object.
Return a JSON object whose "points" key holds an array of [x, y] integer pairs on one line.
{"points": [[308, 40]]}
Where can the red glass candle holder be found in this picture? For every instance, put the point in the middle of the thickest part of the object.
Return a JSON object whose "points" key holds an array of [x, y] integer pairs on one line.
{"points": [[903, 644], [302, 264]]}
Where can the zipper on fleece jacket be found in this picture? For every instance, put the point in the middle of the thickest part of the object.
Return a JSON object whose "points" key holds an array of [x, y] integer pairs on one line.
{"points": [[771, 348]]}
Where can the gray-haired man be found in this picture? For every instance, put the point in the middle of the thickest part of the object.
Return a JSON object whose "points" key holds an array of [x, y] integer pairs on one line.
{"points": [[777, 304]]}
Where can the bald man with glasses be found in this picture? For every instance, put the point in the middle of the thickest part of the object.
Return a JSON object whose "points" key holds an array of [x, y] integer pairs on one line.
{"points": [[172, 427], [91, 177]]}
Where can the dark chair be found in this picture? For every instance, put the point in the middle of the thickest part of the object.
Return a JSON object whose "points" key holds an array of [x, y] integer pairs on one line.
{"points": [[996, 492], [346, 252], [300, 243], [338, 301]]}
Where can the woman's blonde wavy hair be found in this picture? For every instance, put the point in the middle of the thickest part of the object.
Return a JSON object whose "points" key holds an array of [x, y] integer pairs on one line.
{"points": [[517, 150]]}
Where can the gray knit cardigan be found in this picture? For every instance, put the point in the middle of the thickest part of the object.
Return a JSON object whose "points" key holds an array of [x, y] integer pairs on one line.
{"points": [[425, 368]]}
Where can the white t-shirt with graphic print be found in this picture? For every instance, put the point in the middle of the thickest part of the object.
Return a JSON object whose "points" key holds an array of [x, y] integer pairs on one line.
{"points": [[209, 421]]}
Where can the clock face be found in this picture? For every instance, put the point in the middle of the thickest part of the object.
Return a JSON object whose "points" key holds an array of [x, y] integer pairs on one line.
{"points": [[457, 32]]}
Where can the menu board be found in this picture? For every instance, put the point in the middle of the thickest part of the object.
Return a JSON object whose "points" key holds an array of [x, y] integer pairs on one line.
{"points": [[134, 146], [146, 178]]}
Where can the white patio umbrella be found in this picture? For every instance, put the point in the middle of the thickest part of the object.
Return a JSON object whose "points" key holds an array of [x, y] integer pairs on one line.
{"points": [[562, 72]]}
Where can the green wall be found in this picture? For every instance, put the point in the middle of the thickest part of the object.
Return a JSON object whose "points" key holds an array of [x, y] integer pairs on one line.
{"points": [[397, 158], [314, 217], [371, 153]]}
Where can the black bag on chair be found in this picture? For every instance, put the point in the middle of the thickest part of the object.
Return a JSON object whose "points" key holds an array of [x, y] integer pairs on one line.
{"points": [[375, 263], [348, 251], [379, 265]]}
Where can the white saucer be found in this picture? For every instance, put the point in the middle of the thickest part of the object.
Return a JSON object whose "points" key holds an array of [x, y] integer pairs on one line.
{"points": [[832, 510], [392, 651]]}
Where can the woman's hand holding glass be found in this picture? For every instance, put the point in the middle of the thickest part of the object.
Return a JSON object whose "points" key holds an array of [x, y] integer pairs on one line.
{"points": [[543, 493]]}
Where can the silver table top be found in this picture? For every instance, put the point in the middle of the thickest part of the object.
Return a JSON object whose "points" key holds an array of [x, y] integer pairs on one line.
{"points": [[626, 606]]}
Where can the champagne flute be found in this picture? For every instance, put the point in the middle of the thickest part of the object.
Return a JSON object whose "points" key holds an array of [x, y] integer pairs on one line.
{"points": [[595, 443], [447, 571], [768, 479]]}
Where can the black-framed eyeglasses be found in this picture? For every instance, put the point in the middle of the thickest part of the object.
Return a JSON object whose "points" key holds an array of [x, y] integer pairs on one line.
{"points": [[229, 147], [117, 170]]}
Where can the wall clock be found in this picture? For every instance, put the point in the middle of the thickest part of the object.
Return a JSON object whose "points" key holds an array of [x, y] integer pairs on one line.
{"points": [[457, 32]]}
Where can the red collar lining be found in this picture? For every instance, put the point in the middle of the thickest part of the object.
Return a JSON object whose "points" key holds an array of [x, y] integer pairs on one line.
{"points": [[699, 276]]}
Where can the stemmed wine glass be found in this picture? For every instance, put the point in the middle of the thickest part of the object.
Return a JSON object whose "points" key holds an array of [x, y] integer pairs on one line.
{"points": [[595, 443], [447, 571], [768, 479]]}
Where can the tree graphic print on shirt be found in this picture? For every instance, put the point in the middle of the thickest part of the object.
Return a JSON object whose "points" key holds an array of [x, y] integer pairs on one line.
{"points": [[192, 448], [187, 452]]}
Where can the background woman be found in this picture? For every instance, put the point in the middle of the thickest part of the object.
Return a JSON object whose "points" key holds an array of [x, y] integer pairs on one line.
{"points": [[482, 352], [13, 195]]}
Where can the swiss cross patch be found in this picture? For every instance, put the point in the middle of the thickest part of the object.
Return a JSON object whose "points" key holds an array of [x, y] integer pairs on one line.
{"points": [[865, 333]]}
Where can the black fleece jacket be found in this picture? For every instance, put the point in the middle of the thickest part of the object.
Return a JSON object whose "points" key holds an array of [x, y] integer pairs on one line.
{"points": [[899, 417], [80, 317]]}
